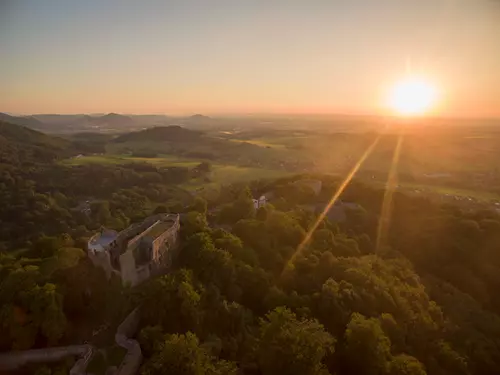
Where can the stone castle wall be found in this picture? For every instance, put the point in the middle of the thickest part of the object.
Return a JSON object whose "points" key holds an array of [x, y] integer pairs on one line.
{"points": [[138, 237], [165, 245], [143, 273], [101, 259], [12, 361], [128, 268], [132, 360], [121, 255], [15, 360]]}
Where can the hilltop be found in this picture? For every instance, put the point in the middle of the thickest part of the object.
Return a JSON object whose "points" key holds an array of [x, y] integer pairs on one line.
{"points": [[110, 122], [20, 144], [112, 119], [57, 123], [199, 117], [28, 121]]}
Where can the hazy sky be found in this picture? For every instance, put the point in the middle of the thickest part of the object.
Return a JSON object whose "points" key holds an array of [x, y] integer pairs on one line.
{"points": [[217, 56]]}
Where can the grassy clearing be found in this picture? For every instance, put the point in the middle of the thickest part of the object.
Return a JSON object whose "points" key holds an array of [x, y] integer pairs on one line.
{"points": [[94, 159], [260, 142], [162, 160], [221, 174], [451, 191], [447, 191], [442, 190], [277, 142], [227, 174]]}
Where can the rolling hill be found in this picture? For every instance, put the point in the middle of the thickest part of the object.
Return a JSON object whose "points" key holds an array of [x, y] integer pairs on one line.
{"points": [[56, 123], [110, 123], [198, 117], [28, 121], [19, 144], [112, 120]]}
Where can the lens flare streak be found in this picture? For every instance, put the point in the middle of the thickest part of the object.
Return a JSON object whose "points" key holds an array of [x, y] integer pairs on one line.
{"points": [[385, 215], [332, 201]]}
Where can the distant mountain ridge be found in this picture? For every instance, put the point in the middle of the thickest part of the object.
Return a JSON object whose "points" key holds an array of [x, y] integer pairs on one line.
{"points": [[110, 122], [113, 119], [199, 117], [61, 123]]}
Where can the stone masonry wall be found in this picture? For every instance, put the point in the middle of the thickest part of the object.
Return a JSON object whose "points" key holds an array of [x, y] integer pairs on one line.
{"points": [[17, 359], [128, 268], [101, 259], [165, 245], [133, 358]]}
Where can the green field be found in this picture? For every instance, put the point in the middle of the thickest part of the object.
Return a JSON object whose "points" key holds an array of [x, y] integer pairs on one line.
{"points": [[479, 195], [261, 142], [162, 160], [221, 174], [444, 191], [227, 174]]}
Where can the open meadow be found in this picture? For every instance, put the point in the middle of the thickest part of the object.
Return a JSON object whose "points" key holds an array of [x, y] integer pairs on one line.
{"points": [[159, 161], [431, 162], [220, 174]]}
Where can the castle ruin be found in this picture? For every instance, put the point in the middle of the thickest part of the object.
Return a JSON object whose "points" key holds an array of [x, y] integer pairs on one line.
{"points": [[138, 252]]}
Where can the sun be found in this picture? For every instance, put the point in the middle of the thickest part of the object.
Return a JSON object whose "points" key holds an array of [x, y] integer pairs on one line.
{"points": [[412, 96]]}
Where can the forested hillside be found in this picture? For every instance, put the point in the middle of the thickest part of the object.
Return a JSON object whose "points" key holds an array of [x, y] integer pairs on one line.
{"points": [[19, 145], [244, 297], [28, 121], [39, 196], [50, 294]]}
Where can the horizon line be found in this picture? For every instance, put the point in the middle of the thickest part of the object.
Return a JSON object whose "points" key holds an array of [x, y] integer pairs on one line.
{"points": [[270, 114]]}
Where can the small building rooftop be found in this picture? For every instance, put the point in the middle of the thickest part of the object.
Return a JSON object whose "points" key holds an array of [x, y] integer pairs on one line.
{"points": [[101, 240]]}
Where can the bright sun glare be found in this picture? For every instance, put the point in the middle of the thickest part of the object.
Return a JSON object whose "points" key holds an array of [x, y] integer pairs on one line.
{"points": [[412, 96]]}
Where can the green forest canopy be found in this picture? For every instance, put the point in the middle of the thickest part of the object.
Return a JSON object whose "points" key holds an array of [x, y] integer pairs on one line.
{"points": [[423, 304]]}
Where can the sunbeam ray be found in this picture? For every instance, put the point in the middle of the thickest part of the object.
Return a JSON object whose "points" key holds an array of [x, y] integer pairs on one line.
{"points": [[332, 201], [385, 214]]}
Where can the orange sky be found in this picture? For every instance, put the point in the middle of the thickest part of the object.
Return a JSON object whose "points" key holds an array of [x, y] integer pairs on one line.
{"points": [[193, 56]]}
